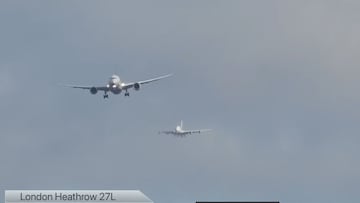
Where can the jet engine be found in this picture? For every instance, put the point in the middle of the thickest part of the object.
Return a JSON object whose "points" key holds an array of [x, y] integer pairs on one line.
{"points": [[137, 86], [93, 90]]}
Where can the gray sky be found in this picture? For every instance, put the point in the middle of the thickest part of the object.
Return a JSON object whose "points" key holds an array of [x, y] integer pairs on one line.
{"points": [[277, 80]]}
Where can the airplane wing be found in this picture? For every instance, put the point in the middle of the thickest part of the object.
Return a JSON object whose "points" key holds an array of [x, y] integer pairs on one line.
{"points": [[166, 132], [89, 87], [132, 84], [197, 131]]}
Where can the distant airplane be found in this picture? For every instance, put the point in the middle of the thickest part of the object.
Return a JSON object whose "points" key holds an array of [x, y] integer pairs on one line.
{"points": [[116, 86], [179, 131]]}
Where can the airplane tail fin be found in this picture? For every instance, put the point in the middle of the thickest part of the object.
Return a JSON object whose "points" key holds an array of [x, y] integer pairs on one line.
{"points": [[181, 124]]}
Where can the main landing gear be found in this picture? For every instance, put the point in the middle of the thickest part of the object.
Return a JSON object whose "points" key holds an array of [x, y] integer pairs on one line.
{"points": [[106, 95], [127, 94]]}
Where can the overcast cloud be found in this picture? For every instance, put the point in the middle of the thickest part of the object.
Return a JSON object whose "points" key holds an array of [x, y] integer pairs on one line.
{"points": [[276, 80]]}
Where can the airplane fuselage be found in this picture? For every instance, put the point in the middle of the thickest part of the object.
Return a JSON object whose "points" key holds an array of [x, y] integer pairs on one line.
{"points": [[114, 85], [180, 132], [178, 129]]}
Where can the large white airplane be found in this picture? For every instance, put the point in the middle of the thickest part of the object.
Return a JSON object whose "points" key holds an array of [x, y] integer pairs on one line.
{"points": [[179, 131], [116, 86]]}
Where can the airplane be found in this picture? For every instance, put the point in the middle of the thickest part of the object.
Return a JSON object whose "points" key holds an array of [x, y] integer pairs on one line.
{"points": [[179, 131], [116, 86]]}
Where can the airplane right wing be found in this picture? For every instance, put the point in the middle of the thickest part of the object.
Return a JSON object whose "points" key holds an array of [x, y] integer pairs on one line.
{"points": [[102, 88], [166, 132]]}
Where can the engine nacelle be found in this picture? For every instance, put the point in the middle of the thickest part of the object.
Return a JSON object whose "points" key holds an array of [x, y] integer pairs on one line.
{"points": [[93, 90], [137, 86]]}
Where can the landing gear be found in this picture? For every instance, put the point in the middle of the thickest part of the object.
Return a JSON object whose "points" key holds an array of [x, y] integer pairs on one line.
{"points": [[127, 94], [106, 95]]}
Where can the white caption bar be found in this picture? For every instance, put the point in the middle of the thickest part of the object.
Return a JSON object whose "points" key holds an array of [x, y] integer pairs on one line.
{"points": [[75, 196]]}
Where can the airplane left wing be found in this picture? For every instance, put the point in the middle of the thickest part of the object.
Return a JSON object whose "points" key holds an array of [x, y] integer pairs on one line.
{"points": [[198, 131], [132, 84]]}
